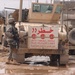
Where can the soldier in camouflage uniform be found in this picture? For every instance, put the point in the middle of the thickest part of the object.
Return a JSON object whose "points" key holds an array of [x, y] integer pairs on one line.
{"points": [[12, 39]]}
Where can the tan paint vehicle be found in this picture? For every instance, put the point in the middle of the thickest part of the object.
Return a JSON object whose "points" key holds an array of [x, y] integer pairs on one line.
{"points": [[2, 33], [41, 34]]}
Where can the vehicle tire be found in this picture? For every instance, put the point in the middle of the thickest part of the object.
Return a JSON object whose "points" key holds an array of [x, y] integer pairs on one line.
{"points": [[71, 52], [71, 36], [28, 55], [54, 59]]}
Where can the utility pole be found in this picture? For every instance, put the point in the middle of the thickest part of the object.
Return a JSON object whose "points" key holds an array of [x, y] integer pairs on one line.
{"points": [[6, 17], [51, 1], [46, 1], [37, 1], [20, 12]]}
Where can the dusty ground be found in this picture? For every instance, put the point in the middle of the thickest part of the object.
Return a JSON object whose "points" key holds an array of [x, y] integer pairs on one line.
{"points": [[35, 65]]}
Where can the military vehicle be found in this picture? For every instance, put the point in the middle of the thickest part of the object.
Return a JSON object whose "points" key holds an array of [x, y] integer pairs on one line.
{"points": [[2, 33], [70, 26], [1, 28], [41, 34]]}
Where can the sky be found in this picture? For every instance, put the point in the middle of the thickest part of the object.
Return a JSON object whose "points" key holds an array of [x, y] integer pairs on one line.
{"points": [[15, 3]]}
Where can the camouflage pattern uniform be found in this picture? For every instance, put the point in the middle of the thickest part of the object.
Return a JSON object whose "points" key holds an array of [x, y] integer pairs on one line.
{"points": [[12, 39]]}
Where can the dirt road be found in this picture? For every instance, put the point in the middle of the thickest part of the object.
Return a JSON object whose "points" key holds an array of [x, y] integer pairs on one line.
{"points": [[35, 65]]}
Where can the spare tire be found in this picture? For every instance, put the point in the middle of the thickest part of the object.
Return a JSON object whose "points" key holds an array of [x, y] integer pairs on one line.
{"points": [[71, 36]]}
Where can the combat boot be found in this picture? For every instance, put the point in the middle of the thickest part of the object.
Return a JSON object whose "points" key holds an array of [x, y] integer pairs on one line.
{"points": [[11, 59], [15, 62], [8, 62]]}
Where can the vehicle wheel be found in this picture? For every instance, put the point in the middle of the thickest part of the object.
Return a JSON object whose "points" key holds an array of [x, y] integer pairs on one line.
{"points": [[55, 59], [71, 52], [28, 55], [71, 36]]}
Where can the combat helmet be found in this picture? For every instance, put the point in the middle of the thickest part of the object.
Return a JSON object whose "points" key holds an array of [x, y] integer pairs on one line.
{"points": [[11, 20]]}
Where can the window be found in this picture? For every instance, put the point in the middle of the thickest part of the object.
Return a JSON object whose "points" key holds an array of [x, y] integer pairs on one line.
{"points": [[44, 8], [58, 9], [36, 8]]}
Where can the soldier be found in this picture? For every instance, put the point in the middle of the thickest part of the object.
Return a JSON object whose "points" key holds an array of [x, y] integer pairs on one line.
{"points": [[12, 39]]}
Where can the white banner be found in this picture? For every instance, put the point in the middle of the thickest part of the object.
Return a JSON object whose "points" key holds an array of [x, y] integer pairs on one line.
{"points": [[40, 37]]}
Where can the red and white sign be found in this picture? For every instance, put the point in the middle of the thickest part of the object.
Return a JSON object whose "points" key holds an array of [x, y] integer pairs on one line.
{"points": [[40, 37]]}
